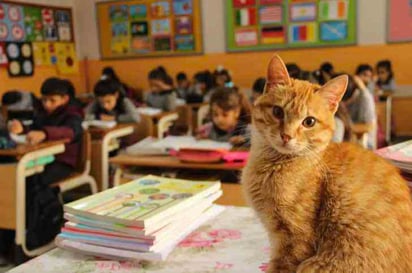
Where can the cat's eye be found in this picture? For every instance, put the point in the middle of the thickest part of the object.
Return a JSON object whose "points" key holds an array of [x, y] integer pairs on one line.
{"points": [[309, 122], [278, 112]]}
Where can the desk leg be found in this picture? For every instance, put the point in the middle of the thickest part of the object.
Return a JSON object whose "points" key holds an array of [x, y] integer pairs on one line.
{"points": [[96, 164], [388, 119], [8, 196]]}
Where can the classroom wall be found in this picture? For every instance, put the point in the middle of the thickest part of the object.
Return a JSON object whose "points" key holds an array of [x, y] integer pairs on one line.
{"points": [[244, 66], [41, 73]]}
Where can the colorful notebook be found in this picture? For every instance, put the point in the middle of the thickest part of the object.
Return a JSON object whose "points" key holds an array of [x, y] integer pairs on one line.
{"points": [[159, 255], [144, 202], [90, 226]]}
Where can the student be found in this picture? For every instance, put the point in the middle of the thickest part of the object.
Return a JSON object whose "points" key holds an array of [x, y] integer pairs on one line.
{"points": [[222, 77], [365, 73], [183, 85], [162, 93], [72, 93], [108, 73], [361, 106], [343, 130], [325, 73], [111, 105], [203, 84], [230, 114], [56, 120], [258, 88], [297, 73], [16, 100], [386, 78]]}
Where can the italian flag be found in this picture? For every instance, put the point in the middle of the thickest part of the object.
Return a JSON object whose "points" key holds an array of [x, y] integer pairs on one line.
{"points": [[246, 17], [334, 9]]}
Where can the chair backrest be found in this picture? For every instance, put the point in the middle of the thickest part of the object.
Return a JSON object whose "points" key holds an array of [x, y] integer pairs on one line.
{"points": [[144, 128], [164, 124], [202, 114], [83, 164]]}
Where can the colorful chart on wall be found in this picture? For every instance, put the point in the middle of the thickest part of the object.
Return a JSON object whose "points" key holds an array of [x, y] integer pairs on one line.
{"points": [[271, 24], [139, 28], [36, 29], [399, 24], [20, 59]]}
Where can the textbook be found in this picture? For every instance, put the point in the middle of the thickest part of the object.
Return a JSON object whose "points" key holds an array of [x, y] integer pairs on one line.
{"points": [[153, 146], [149, 111], [160, 253], [99, 124], [164, 228], [143, 203], [400, 155]]}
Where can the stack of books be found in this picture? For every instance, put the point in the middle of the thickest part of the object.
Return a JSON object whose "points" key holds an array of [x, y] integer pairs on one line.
{"points": [[401, 156], [142, 220]]}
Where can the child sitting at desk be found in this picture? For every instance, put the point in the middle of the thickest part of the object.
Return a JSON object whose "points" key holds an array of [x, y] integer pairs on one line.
{"points": [[230, 113], [111, 105], [56, 120], [163, 94]]}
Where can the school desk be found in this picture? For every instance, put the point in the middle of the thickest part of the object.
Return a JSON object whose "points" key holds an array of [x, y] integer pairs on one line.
{"points": [[402, 114], [103, 142], [13, 187], [155, 124], [234, 241], [125, 160], [188, 115]]}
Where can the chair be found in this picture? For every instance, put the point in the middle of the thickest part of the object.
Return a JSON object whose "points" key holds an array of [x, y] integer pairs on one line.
{"points": [[164, 124], [202, 114], [82, 175]]}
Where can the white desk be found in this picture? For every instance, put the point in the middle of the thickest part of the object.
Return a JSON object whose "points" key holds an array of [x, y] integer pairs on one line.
{"points": [[234, 241]]}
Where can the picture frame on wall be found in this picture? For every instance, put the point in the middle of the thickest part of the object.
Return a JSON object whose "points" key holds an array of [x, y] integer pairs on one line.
{"points": [[154, 28], [288, 24], [399, 21]]}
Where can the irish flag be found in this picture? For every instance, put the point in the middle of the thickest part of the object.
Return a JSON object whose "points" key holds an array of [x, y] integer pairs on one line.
{"points": [[246, 17], [333, 10]]}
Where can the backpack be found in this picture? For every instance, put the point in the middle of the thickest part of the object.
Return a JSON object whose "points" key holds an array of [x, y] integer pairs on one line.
{"points": [[44, 214]]}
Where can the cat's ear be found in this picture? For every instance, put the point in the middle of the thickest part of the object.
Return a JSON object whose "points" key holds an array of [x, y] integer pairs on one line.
{"points": [[333, 91], [277, 73]]}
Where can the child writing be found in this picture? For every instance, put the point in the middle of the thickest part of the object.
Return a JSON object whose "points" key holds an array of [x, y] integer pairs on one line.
{"points": [[230, 113], [386, 80], [162, 95], [56, 120], [111, 104]]}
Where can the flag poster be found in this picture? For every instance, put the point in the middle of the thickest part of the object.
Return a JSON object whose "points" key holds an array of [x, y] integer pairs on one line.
{"points": [[276, 24]]}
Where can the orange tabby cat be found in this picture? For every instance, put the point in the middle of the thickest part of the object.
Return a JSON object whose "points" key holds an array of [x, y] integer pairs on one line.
{"points": [[327, 207]]}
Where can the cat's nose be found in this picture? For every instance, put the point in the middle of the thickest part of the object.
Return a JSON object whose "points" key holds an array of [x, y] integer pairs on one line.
{"points": [[286, 138]]}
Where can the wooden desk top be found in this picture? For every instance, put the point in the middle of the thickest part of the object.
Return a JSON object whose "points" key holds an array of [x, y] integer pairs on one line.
{"points": [[171, 162], [158, 116], [21, 150], [98, 133]]}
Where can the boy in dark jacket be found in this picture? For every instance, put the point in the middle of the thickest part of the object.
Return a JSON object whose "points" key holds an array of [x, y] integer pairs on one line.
{"points": [[56, 120]]}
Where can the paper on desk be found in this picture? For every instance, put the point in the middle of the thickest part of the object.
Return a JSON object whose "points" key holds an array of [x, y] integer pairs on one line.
{"points": [[99, 124], [151, 146], [19, 139], [149, 111]]}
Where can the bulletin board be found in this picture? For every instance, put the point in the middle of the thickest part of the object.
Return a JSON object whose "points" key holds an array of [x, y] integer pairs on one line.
{"points": [[399, 22], [141, 28], [276, 24], [33, 35]]}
